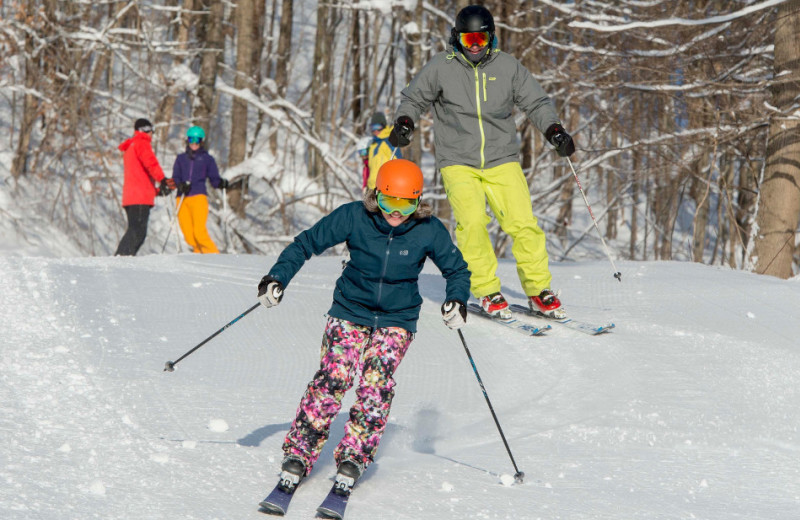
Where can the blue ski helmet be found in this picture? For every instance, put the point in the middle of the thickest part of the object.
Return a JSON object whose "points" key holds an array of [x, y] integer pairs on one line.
{"points": [[196, 132]]}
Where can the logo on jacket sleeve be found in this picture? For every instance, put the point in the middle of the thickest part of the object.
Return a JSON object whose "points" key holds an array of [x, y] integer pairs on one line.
{"points": [[404, 252]]}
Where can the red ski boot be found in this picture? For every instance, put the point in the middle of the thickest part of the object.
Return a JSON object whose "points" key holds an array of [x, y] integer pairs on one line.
{"points": [[496, 306], [547, 304]]}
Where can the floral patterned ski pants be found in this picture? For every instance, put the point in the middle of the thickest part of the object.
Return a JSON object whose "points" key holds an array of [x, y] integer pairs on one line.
{"points": [[348, 348]]}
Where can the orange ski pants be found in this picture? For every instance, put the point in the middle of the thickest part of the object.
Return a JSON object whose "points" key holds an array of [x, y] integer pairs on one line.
{"points": [[192, 218]]}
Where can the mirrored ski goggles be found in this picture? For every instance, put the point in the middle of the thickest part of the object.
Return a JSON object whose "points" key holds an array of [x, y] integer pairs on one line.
{"points": [[391, 204], [194, 140], [376, 127], [481, 39]]}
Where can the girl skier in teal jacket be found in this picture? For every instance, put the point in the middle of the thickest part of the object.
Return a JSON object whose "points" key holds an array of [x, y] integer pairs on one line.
{"points": [[373, 317]]}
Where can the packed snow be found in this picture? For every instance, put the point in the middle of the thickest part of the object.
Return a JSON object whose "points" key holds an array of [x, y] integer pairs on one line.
{"points": [[688, 409]]}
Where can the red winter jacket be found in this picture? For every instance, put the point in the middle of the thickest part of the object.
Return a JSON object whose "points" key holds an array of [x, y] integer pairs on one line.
{"points": [[141, 171]]}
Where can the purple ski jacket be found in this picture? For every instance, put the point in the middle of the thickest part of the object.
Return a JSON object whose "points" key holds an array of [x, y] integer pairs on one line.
{"points": [[196, 167]]}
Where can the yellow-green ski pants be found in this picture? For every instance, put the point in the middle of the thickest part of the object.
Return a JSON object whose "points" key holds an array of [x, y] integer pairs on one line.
{"points": [[506, 190]]}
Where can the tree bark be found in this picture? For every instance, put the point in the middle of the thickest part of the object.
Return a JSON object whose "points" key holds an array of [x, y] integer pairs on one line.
{"points": [[779, 208], [282, 59], [211, 53], [167, 105], [30, 102], [243, 80], [328, 17]]}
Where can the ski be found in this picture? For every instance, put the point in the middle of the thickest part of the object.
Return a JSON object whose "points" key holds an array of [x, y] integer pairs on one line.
{"points": [[580, 326], [512, 323], [277, 502], [334, 504]]}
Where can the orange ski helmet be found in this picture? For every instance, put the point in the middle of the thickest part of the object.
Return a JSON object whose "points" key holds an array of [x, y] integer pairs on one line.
{"points": [[400, 178]]}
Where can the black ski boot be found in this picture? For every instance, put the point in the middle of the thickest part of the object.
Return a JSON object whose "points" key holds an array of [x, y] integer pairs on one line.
{"points": [[346, 477], [292, 472]]}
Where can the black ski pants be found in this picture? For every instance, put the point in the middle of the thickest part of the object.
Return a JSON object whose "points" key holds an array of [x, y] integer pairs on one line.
{"points": [[134, 236]]}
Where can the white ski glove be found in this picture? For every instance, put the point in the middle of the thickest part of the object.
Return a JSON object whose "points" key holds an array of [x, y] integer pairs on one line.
{"points": [[454, 314], [270, 291]]}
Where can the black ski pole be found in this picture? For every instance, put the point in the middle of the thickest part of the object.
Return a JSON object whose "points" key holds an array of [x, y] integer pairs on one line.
{"points": [[170, 366], [518, 476]]}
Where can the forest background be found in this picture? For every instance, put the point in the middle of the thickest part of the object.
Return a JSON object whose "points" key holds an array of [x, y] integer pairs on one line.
{"points": [[685, 116]]}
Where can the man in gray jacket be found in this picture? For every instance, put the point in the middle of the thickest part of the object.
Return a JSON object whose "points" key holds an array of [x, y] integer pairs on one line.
{"points": [[473, 87]]}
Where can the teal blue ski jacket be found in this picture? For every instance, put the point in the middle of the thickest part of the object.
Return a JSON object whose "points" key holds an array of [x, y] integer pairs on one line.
{"points": [[379, 285]]}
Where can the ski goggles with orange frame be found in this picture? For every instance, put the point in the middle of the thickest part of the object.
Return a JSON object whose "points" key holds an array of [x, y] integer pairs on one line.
{"points": [[391, 204], [481, 39]]}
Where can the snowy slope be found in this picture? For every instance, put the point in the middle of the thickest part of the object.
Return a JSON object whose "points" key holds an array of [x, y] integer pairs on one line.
{"points": [[689, 409]]}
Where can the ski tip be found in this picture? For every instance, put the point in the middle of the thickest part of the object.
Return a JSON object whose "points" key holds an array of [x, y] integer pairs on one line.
{"points": [[605, 328], [329, 513], [272, 509]]}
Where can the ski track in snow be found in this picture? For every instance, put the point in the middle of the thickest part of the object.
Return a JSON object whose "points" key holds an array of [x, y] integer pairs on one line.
{"points": [[688, 409]]}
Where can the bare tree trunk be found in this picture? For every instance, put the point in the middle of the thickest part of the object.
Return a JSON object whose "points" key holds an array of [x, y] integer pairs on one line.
{"points": [[212, 21], [698, 191], [779, 208], [243, 80], [328, 17], [612, 187], [30, 105], [167, 105], [635, 184], [357, 105], [414, 50], [245, 52], [282, 59]]}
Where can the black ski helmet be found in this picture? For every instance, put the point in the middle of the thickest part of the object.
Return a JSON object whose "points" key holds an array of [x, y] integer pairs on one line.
{"points": [[473, 18], [143, 125]]}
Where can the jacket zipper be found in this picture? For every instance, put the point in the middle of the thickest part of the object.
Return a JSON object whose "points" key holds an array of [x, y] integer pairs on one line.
{"points": [[484, 87], [480, 118], [191, 169], [383, 274]]}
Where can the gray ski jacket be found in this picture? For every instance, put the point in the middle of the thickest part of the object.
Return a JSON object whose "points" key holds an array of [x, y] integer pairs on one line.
{"points": [[473, 121]]}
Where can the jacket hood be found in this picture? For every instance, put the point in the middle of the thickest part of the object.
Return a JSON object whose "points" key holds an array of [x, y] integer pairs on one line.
{"points": [[125, 144], [136, 136], [383, 134]]}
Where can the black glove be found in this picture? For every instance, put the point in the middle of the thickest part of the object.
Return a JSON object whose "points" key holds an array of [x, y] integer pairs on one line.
{"points": [[270, 291], [558, 137], [184, 188], [223, 184], [454, 314], [164, 188], [401, 132]]}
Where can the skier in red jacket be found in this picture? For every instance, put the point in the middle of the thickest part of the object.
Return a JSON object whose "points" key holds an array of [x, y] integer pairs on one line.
{"points": [[139, 188]]}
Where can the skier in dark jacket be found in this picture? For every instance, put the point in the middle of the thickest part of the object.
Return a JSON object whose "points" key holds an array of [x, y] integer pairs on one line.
{"points": [[190, 171], [473, 88], [373, 317], [139, 191]]}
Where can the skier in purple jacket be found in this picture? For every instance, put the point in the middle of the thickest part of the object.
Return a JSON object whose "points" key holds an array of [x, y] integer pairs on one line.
{"points": [[189, 173]]}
